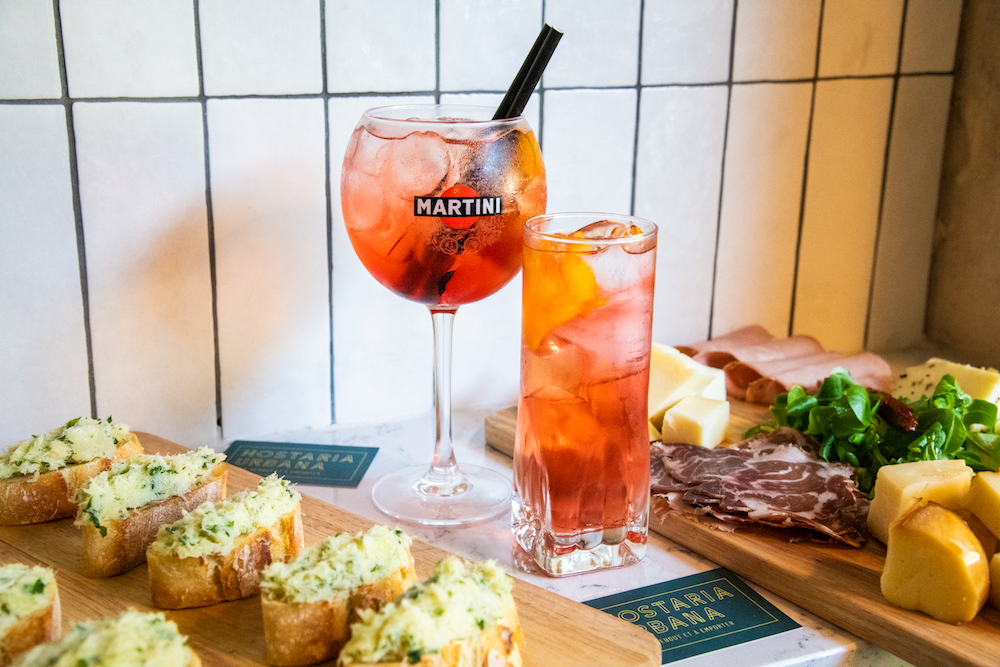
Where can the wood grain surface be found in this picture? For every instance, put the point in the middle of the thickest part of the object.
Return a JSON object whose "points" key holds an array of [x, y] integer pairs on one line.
{"points": [[839, 584], [557, 631]]}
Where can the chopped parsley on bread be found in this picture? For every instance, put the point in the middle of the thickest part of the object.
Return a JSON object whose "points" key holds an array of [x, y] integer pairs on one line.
{"points": [[121, 510], [462, 616], [133, 639], [29, 609], [40, 475], [217, 551], [308, 603]]}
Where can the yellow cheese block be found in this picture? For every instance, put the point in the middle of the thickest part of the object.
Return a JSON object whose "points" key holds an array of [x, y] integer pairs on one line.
{"points": [[673, 375], [920, 381], [935, 564], [984, 501], [696, 420], [654, 433], [902, 486]]}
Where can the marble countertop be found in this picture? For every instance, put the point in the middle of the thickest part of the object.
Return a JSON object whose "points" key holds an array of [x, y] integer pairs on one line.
{"points": [[401, 443]]}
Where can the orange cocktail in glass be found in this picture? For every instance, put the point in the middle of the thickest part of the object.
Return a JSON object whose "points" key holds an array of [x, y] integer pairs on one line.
{"points": [[434, 200], [581, 459]]}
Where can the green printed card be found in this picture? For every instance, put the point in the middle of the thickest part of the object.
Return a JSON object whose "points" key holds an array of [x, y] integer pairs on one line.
{"points": [[320, 465], [697, 614]]}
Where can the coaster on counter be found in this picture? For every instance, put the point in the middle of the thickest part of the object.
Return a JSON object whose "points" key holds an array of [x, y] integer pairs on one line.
{"points": [[319, 465], [698, 614]]}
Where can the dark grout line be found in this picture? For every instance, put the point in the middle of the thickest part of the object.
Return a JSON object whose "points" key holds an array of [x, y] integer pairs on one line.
{"points": [[805, 174], [74, 176], [885, 174], [722, 172], [209, 220], [437, 52], [638, 107], [329, 198]]}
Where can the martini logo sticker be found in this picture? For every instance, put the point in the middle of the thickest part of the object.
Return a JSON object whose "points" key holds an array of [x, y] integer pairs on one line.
{"points": [[458, 207], [469, 221]]}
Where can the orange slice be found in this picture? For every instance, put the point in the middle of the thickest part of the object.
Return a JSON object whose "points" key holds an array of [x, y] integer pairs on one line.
{"points": [[558, 286]]}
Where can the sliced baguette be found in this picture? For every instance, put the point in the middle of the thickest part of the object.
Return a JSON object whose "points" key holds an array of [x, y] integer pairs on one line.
{"points": [[216, 552], [29, 609], [27, 499], [482, 628], [109, 547], [133, 639], [309, 603]]}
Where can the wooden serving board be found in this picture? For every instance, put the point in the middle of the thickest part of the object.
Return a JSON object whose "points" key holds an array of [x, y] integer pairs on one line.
{"points": [[557, 631], [839, 584]]}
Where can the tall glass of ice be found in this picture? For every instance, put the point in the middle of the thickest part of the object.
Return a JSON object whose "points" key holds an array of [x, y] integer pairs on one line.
{"points": [[581, 455], [434, 200]]}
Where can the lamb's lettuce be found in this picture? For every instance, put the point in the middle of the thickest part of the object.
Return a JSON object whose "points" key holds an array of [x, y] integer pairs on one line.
{"points": [[843, 417]]}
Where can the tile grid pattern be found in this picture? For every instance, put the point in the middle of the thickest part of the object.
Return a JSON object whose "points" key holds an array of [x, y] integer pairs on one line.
{"points": [[202, 99]]}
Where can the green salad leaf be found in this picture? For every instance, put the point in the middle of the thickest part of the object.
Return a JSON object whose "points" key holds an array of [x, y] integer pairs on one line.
{"points": [[843, 417]]}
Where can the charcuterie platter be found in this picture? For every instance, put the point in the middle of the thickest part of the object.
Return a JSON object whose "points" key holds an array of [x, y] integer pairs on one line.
{"points": [[231, 633], [837, 583]]}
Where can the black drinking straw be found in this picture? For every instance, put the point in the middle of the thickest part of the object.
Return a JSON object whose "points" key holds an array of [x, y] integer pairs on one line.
{"points": [[529, 74]]}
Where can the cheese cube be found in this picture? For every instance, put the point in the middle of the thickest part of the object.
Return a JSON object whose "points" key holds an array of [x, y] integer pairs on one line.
{"points": [[654, 433], [920, 381], [935, 564], [984, 500], [673, 375], [696, 420], [902, 486]]}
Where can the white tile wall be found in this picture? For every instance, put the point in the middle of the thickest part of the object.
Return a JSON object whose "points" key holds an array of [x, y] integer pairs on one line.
{"points": [[142, 190], [761, 200], [843, 194], [43, 352], [686, 42], [594, 174], [269, 209], [860, 37], [261, 47], [677, 184], [776, 39], [903, 259], [394, 53], [28, 65], [599, 46], [118, 48], [755, 134]]}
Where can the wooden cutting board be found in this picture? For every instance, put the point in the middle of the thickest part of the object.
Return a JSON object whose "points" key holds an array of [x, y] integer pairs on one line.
{"points": [[557, 631], [839, 584]]}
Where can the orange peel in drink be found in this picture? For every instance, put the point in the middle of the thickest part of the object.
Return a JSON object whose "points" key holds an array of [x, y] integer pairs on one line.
{"points": [[558, 286]]}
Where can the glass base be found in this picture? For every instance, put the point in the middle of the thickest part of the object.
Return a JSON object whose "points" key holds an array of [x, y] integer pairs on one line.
{"points": [[561, 555], [401, 494]]}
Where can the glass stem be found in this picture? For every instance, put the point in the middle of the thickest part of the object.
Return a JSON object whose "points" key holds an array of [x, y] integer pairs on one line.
{"points": [[443, 478]]}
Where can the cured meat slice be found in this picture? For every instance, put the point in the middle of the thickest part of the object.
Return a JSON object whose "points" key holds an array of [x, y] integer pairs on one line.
{"points": [[774, 479], [759, 366]]}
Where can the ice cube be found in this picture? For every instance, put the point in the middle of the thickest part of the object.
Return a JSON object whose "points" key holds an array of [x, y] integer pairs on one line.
{"points": [[417, 165], [605, 229]]}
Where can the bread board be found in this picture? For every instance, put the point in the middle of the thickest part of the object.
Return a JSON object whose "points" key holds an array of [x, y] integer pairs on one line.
{"points": [[557, 631], [838, 584]]}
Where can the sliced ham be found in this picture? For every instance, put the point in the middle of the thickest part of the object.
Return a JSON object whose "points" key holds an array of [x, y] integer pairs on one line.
{"points": [[759, 366], [775, 480]]}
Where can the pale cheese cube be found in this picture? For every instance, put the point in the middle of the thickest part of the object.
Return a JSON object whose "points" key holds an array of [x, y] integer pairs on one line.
{"points": [[673, 375], [984, 501], [901, 487], [654, 433], [696, 420], [920, 381]]}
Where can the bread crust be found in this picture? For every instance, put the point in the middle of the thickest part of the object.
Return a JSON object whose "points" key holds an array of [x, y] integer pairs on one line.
{"points": [[181, 583], [309, 632], [25, 500], [124, 545], [497, 646], [44, 625]]}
